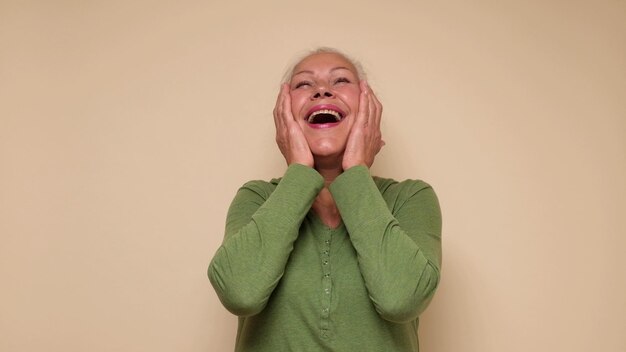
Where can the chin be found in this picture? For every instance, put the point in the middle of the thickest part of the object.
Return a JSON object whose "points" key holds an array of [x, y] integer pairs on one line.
{"points": [[328, 162], [327, 150]]}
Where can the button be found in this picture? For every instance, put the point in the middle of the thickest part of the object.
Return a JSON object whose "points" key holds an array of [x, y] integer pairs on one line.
{"points": [[327, 290], [325, 262], [325, 252], [327, 275], [327, 241]]}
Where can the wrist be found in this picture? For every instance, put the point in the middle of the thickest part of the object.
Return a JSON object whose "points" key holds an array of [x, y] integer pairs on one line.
{"points": [[349, 165], [301, 162]]}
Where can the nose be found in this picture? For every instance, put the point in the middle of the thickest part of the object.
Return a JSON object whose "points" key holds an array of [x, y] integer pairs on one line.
{"points": [[322, 92]]}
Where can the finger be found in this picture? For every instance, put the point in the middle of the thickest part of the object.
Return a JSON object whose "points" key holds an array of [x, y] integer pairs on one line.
{"points": [[378, 108], [363, 104], [371, 106], [374, 121], [375, 108], [278, 109], [288, 115]]}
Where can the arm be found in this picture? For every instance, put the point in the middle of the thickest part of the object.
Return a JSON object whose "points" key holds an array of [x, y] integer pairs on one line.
{"points": [[399, 254], [260, 232], [262, 227]]}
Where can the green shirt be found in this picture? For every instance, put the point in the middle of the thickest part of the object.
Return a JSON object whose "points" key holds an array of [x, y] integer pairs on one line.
{"points": [[298, 285]]}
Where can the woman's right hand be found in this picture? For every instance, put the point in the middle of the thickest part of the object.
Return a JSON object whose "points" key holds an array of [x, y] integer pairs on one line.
{"points": [[289, 135]]}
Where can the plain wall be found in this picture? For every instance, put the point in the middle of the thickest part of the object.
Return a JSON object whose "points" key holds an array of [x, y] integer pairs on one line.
{"points": [[126, 128]]}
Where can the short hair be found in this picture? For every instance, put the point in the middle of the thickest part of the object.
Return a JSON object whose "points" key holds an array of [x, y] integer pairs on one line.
{"points": [[323, 50]]}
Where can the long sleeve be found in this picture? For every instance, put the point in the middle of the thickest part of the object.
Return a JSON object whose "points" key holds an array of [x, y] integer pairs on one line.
{"points": [[261, 228], [399, 253]]}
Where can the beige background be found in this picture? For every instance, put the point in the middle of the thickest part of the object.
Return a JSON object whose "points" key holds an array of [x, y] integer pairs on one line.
{"points": [[127, 126]]}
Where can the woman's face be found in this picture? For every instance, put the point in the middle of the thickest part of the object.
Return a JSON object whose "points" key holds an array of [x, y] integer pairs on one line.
{"points": [[325, 100]]}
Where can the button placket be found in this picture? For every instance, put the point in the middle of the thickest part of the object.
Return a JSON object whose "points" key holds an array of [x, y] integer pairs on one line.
{"points": [[326, 285]]}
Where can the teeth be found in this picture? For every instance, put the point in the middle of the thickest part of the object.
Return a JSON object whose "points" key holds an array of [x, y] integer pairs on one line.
{"points": [[328, 112]]}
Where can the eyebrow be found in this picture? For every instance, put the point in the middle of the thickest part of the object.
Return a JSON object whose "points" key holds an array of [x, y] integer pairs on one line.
{"points": [[331, 70]]}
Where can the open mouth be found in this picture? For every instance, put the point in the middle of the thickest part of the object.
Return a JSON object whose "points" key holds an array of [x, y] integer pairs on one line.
{"points": [[324, 116]]}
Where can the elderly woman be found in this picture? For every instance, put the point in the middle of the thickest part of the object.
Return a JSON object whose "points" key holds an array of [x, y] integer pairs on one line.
{"points": [[328, 257]]}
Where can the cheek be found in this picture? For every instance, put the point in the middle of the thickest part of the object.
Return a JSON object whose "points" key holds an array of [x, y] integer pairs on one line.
{"points": [[297, 101], [351, 97], [301, 122]]}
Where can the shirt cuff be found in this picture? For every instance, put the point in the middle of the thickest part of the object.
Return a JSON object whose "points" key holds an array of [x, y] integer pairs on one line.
{"points": [[358, 198]]}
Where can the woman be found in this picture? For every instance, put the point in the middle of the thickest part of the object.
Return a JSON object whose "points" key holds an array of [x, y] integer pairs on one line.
{"points": [[329, 258]]}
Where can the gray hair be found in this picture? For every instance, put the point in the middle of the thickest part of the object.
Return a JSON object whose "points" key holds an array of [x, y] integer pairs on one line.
{"points": [[324, 50]]}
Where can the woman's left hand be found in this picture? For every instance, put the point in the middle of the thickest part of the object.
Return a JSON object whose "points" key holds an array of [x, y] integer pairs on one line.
{"points": [[365, 139]]}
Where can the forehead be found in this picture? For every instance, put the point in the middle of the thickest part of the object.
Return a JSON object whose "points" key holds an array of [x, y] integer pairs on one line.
{"points": [[323, 62]]}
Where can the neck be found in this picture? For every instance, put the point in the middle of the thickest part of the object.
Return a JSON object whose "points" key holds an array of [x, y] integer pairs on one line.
{"points": [[324, 205], [329, 168], [326, 209]]}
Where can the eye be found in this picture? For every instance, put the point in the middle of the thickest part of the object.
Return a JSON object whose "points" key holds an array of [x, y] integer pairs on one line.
{"points": [[302, 84], [342, 80]]}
